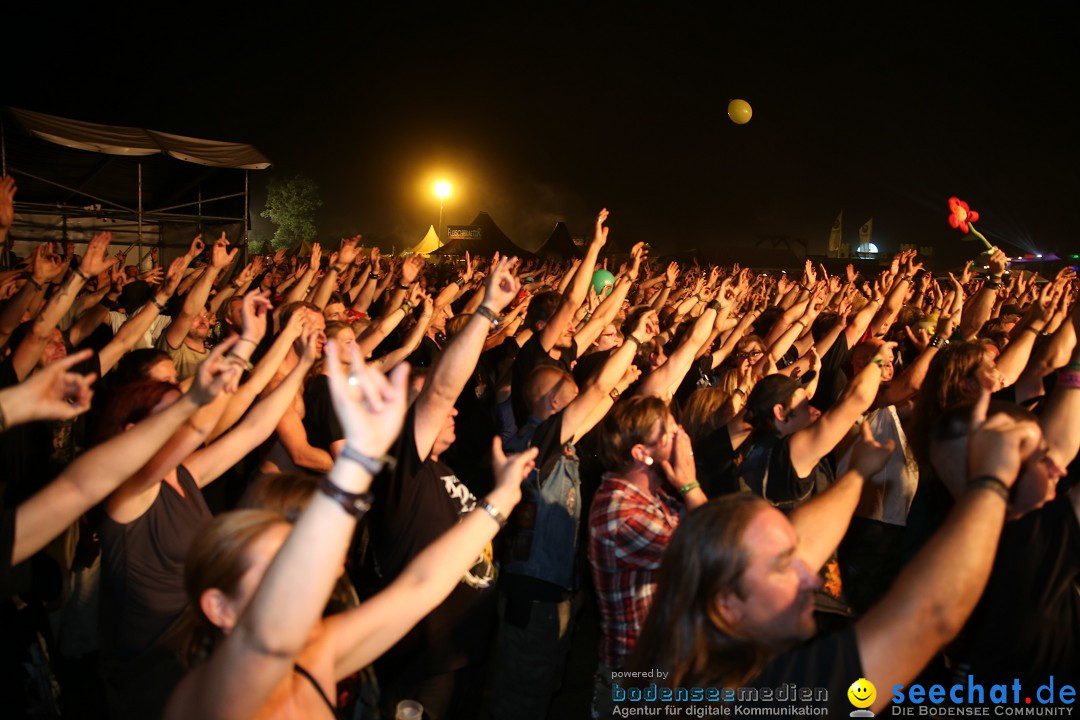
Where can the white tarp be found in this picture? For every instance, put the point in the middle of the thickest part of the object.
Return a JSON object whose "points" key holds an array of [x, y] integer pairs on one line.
{"points": [[428, 245], [113, 140]]}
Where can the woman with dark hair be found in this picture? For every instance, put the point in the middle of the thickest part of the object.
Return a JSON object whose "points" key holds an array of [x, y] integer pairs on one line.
{"points": [[152, 519]]}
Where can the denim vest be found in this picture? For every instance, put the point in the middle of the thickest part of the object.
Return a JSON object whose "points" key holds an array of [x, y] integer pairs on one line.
{"points": [[543, 530]]}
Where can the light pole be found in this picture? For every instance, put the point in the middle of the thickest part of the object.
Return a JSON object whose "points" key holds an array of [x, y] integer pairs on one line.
{"points": [[442, 189]]}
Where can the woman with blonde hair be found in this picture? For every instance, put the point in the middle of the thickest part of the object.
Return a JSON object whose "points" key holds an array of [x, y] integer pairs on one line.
{"points": [[261, 584]]}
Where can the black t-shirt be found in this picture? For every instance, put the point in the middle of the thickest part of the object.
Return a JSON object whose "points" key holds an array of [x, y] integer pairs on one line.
{"points": [[831, 663], [832, 380], [531, 356], [764, 467], [413, 506], [320, 421], [1027, 624], [142, 567], [715, 460]]}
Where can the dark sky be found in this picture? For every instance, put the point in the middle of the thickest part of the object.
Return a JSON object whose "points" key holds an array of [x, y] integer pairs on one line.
{"points": [[550, 114]]}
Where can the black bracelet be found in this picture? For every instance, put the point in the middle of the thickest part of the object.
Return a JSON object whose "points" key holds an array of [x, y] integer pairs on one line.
{"points": [[30, 279], [356, 504], [713, 305], [486, 312], [80, 273], [373, 465], [939, 341], [159, 306], [460, 282], [374, 276], [991, 483], [403, 286], [631, 337]]}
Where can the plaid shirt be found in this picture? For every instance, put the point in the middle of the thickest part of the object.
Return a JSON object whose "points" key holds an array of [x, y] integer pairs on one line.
{"points": [[628, 533]]}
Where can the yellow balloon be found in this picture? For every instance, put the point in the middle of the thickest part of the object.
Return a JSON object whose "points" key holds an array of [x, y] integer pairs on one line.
{"points": [[739, 111]]}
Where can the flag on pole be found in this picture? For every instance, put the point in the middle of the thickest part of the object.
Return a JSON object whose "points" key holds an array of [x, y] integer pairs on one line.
{"points": [[865, 231], [834, 235]]}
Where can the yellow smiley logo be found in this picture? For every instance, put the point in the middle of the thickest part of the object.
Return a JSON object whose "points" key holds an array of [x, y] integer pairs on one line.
{"points": [[862, 693]]}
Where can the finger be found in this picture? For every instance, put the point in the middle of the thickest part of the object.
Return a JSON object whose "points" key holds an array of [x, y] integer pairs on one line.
{"points": [[498, 457], [71, 360], [866, 433]]}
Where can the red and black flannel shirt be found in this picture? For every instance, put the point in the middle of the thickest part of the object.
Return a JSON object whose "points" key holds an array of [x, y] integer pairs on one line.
{"points": [[629, 530]]}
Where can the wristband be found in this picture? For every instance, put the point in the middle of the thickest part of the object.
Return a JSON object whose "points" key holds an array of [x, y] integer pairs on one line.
{"points": [[614, 394], [713, 305], [631, 337], [460, 282], [373, 465], [800, 321], [1069, 379], [879, 362], [30, 279], [80, 273], [159, 306], [991, 483], [356, 504], [689, 487], [406, 306], [740, 391], [493, 512], [374, 276], [403, 286], [939, 341], [587, 317], [486, 312], [234, 285], [1033, 330]]}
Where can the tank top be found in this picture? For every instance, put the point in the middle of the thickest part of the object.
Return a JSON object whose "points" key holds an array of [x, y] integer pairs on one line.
{"points": [[143, 567]]}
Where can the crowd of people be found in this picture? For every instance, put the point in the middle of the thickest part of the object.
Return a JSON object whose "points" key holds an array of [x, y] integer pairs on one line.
{"points": [[322, 486]]}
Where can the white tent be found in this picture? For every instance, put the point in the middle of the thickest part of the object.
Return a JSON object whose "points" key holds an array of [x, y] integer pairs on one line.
{"points": [[428, 245]]}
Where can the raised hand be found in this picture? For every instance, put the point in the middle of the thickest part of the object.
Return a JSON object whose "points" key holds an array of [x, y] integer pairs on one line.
{"points": [[52, 393], [998, 262], [197, 246], [600, 235], [410, 269], [45, 265], [647, 326], [349, 249], [94, 261], [216, 375], [868, 456], [175, 274], [254, 311], [220, 257], [370, 406], [671, 274], [153, 276], [510, 472], [502, 286]]}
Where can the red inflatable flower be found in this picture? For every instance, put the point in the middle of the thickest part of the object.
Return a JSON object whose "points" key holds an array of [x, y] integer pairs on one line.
{"points": [[960, 214]]}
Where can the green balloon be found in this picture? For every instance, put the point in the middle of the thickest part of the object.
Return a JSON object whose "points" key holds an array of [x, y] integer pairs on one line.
{"points": [[602, 282]]}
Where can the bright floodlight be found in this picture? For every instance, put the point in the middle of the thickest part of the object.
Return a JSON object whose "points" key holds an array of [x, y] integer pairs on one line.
{"points": [[442, 189]]}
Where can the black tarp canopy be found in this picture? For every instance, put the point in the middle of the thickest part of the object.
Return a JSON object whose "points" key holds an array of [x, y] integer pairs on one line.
{"points": [[559, 245], [491, 240]]}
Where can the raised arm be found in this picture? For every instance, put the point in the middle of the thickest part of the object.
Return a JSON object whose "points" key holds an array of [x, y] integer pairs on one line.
{"points": [[1060, 418], [809, 445], [458, 359], [346, 254], [360, 636], [665, 380], [579, 286], [977, 311], [208, 463], [28, 353], [595, 399], [195, 302], [100, 470], [822, 521], [937, 591], [245, 669]]}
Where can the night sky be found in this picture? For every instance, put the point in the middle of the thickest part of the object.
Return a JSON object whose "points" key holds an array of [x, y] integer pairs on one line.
{"points": [[537, 116]]}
